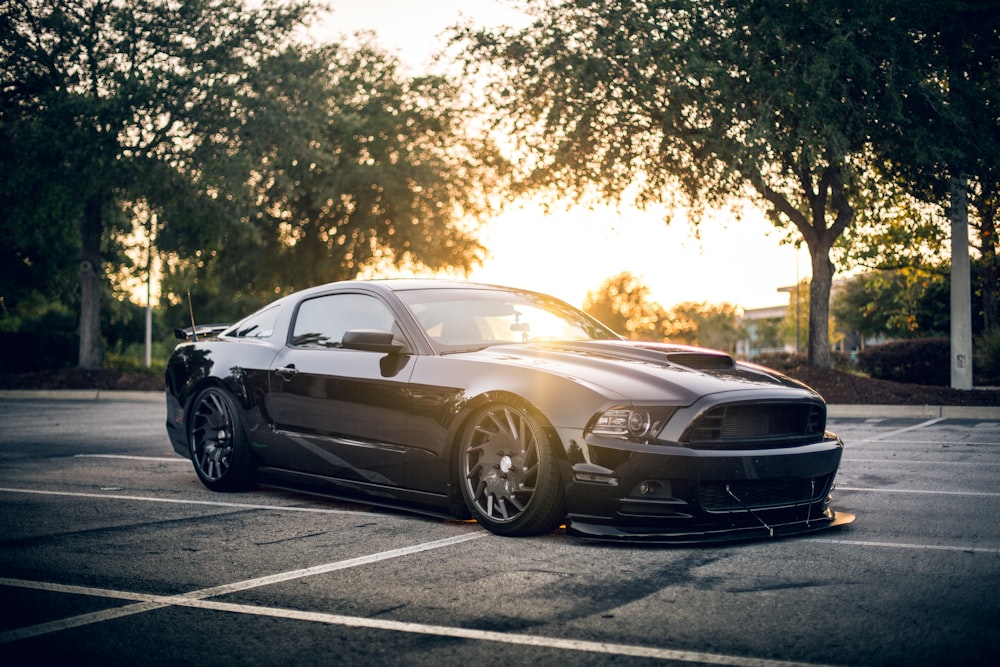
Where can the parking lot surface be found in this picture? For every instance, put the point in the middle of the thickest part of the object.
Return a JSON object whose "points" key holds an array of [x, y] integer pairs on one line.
{"points": [[112, 551]]}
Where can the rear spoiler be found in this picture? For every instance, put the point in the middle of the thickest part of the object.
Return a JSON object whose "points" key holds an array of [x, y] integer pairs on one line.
{"points": [[200, 331]]}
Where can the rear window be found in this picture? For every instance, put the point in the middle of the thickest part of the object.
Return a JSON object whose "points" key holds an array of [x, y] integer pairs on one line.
{"points": [[258, 325]]}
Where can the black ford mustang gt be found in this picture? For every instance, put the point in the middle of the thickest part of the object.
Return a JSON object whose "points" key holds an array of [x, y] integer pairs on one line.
{"points": [[504, 405]]}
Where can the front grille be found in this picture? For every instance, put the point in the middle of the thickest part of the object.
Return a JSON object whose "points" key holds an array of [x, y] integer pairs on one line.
{"points": [[762, 493], [757, 425]]}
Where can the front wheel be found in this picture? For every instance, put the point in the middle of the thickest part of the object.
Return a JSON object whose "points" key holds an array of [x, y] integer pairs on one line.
{"points": [[508, 473], [219, 447]]}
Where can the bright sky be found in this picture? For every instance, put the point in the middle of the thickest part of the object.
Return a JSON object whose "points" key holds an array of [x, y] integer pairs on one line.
{"points": [[568, 253]]}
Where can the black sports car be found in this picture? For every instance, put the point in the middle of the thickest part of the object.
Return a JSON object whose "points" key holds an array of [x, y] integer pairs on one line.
{"points": [[501, 404]]}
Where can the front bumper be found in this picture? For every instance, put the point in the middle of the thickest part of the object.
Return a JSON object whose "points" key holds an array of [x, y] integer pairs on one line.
{"points": [[677, 494]]}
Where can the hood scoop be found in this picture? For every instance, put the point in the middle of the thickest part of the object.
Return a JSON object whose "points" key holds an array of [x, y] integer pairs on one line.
{"points": [[702, 362], [684, 356]]}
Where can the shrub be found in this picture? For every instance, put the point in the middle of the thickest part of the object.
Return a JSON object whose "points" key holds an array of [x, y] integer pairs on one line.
{"points": [[780, 361], [789, 361], [27, 352], [919, 361], [986, 365]]}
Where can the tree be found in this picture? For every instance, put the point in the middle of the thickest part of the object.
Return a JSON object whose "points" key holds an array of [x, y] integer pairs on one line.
{"points": [[720, 98], [797, 316], [946, 143], [267, 164], [622, 302], [353, 168], [715, 326], [765, 334], [906, 303], [108, 96]]}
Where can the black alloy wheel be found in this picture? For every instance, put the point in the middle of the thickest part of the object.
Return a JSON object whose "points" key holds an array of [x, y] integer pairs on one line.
{"points": [[219, 448], [508, 472]]}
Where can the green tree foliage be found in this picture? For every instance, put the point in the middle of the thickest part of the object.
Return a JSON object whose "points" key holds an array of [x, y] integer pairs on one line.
{"points": [[264, 164], [708, 325], [350, 167], [101, 97], [950, 125], [894, 304], [766, 334], [623, 303], [723, 98], [794, 326]]}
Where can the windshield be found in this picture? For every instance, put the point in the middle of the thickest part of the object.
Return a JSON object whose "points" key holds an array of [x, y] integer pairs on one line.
{"points": [[464, 319]]}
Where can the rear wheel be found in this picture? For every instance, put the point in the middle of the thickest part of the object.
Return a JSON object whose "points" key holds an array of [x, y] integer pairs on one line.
{"points": [[219, 447], [508, 473]]}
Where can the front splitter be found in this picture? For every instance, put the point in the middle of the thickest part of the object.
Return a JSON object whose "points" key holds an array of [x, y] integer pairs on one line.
{"points": [[600, 531]]}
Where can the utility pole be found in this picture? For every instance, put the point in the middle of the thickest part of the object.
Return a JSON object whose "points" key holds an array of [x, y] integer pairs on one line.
{"points": [[150, 225], [961, 286]]}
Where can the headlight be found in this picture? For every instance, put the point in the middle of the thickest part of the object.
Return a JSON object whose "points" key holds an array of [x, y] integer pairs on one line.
{"points": [[623, 423]]}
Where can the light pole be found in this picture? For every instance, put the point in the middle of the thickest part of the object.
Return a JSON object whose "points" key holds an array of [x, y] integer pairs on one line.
{"points": [[150, 226]]}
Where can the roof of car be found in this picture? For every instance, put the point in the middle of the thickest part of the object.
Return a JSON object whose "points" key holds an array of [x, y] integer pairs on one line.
{"points": [[407, 284]]}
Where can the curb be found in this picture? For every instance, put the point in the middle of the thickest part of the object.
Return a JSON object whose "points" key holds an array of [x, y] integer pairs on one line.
{"points": [[81, 395], [843, 411], [915, 411]]}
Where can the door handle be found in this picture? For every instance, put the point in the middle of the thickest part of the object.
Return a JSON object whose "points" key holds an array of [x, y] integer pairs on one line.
{"points": [[287, 373]]}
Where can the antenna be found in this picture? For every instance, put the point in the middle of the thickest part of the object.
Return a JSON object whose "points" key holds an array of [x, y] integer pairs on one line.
{"points": [[194, 329]]}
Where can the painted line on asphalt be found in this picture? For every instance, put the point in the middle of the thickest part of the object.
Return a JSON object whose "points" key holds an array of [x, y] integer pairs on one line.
{"points": [[889, 434], [904, 545], [197, 599], [150, 602], [936, 443], [978, 464], [975, 494], [181, 501], [168, 459], [193, 600]]}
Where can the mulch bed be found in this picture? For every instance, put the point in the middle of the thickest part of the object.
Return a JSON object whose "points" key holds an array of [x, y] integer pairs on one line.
{"points": [[842, 388], [78, 378]]}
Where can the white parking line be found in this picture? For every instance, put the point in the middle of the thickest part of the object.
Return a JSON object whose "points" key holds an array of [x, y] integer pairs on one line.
{"points": [[166, 459], [893, 461], [976, 494], [150, 602], [194, 600], [181, 501], [199, 598], [889, 434], [932, 443], [904, 545]]}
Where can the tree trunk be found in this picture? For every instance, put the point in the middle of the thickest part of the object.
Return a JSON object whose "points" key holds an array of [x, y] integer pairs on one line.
{"points": [[826, 194], [990, 279], [91, 230], [819, 306]]}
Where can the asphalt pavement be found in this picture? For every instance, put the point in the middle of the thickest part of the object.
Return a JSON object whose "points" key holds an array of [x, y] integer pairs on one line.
{"points": [[111, 551]]}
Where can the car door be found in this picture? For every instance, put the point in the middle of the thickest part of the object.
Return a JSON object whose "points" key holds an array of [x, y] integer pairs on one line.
{"points": [[340, 412]]}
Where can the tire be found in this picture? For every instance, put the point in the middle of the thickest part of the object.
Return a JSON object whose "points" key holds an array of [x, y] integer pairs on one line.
{"points": [[220, 449], [508, 472]]}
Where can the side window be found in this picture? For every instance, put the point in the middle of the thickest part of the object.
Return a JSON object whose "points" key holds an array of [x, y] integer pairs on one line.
{"points": [[258, 325], [322, 321]]}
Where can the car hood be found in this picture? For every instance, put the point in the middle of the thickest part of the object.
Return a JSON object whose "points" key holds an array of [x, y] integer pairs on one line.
{"points": [[645, 371]]}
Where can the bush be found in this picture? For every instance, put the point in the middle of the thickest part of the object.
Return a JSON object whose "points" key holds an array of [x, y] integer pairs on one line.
{"points": [[919, 361], [986, 365], [132, 358], [780, 361], [789, 361]]}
